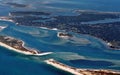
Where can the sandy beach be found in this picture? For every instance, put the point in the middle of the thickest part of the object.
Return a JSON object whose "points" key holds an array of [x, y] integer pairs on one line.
{"points": [[13, 49], [77, 71], [18, 46], [6, 19], [23, 52], [67, 69]]}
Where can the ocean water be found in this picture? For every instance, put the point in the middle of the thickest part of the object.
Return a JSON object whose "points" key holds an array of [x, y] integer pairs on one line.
{"points": [[82, 51]]}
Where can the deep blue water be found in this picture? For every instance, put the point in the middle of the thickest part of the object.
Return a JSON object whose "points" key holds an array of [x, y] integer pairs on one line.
{"points": [[82, 48], [92, 63]]}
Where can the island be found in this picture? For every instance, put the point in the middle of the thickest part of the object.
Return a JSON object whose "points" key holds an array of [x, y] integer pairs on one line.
{"points": [[18, 46], [77, 71], [64, 35]]}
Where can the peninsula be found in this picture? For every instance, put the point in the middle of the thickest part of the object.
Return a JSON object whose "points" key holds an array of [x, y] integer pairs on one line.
{"points": [[77, 71], [18, 46]]}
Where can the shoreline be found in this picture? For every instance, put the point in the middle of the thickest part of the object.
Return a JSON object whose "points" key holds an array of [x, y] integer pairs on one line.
{"points": [[2, 27], [18, 46], [78, 71], [23, 52], [13, 49], [64, 35], [105, 43], [6, 19], [56, 29]]}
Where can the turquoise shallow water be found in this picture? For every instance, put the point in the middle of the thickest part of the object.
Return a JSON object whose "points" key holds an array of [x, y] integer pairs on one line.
{"points": [[90, 50], [82, 51]]}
